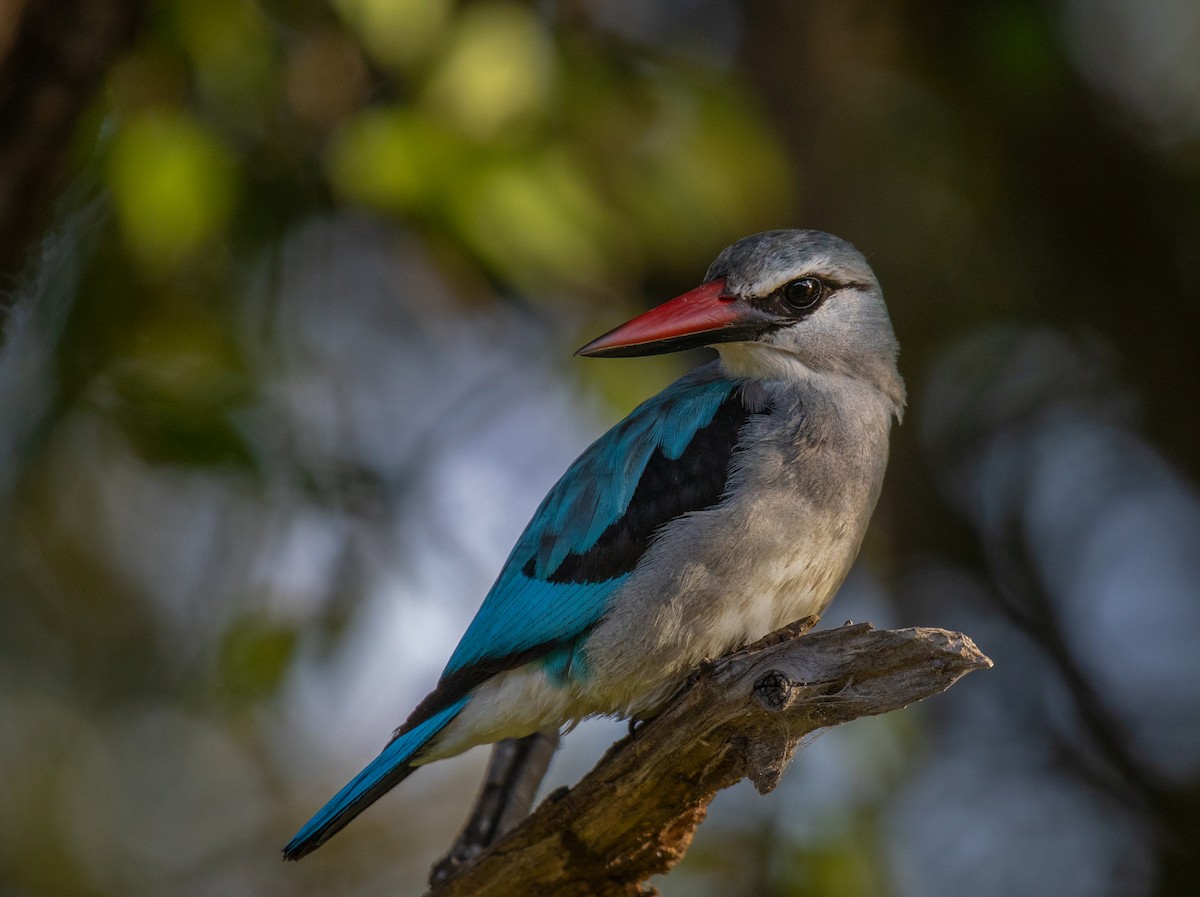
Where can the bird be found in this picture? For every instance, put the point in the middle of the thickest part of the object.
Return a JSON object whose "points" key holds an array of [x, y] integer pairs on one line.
{"points": [[726, 506]]}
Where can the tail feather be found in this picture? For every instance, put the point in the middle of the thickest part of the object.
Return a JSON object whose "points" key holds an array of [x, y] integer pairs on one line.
{"points": [[383, 773]]}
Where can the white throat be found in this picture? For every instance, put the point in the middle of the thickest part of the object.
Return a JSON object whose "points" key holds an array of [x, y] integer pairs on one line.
{"points": [[760, 361]]}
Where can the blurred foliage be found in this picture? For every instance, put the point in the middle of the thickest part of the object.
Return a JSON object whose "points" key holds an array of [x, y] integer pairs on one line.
{"points": [[293, 360], [554, 160]]}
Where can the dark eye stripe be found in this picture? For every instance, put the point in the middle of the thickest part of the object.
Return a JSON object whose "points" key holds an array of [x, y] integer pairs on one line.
{"points": [[773, 303]]}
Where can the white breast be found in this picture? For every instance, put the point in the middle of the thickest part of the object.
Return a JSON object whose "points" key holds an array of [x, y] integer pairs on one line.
{"points": [[776, 549]]}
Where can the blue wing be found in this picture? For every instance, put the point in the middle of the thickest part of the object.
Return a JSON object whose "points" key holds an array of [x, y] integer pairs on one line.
{"points": [[667, 458], [589, 533]]}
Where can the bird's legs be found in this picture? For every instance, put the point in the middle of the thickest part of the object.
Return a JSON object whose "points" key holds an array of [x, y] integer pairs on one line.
{"points": [[515, 770]]}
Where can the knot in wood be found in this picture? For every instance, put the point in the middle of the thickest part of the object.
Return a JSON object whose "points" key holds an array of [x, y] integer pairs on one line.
{"points": [[775, 691]]}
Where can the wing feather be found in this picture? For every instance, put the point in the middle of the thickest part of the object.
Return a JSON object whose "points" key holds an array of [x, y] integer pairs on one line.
{"points": [[668, 458]]}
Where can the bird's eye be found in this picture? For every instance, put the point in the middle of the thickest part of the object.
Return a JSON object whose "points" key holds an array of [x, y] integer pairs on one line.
{"points": [[803, 294]]}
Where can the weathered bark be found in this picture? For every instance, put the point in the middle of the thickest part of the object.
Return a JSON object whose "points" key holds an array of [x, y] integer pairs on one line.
{"points": [[743, 716], [515, 770]]}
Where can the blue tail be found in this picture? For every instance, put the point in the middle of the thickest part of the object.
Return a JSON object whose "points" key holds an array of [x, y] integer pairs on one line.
{"points": [[383, 773]]}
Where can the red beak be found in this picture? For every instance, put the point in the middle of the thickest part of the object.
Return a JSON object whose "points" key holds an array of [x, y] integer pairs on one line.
{"points": [[700, 317]]}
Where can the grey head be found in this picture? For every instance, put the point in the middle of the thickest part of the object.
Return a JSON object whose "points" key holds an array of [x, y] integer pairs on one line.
{"points": [[779, 305], [821, 306]]}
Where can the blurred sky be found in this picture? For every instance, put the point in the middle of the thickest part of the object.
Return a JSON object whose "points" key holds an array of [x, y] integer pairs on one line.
{"points": [[291, 368]]}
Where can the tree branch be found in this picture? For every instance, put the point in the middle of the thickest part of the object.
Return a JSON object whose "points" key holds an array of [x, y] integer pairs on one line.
{"points": [[743, 716], [514, 772]]}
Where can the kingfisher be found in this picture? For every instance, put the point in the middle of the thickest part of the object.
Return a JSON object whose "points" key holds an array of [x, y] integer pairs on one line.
{"points": [[728, 505]]}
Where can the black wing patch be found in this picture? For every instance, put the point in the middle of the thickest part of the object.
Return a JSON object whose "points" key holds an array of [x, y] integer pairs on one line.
{"points": [[668, 488]]}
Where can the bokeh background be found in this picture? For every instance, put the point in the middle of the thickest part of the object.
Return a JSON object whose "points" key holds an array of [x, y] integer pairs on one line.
{"points": [[290, 294]]}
